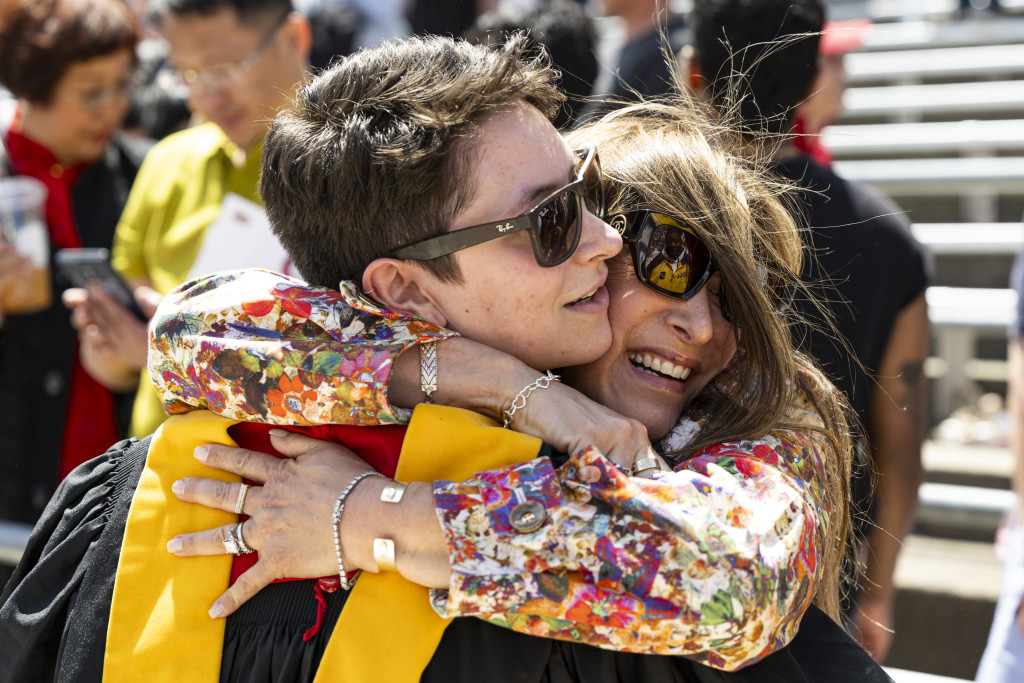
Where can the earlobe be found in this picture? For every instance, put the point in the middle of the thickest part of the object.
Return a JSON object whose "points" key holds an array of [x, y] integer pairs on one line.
{"points": [[403, 287]]}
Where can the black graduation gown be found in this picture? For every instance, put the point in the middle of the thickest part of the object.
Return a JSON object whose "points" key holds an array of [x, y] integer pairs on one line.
{"points": [[55, 609]]}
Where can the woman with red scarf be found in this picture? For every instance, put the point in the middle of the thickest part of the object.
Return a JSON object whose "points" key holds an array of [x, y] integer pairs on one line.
{"points": [[69, 65]]}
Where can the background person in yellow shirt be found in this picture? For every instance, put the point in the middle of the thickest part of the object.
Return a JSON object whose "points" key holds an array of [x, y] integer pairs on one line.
{"points": [[194, 206]]}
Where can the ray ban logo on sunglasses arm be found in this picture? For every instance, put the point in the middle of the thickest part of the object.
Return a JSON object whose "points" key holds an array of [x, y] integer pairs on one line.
{"points": [[505, 227]]}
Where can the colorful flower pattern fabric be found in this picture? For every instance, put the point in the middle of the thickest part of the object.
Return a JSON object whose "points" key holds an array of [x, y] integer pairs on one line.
{"points": [[260, 346], [716, 560]]}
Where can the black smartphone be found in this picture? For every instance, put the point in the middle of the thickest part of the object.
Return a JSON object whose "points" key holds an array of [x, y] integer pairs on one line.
{"points": [[82, 266]]}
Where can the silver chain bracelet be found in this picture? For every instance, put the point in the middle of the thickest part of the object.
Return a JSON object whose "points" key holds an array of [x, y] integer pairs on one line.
{"points": [[339, 507], [520, 400]]}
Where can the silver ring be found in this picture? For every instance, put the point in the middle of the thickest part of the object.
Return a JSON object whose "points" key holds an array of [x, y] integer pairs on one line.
{"points": [[243, 547], [231, 546], [241, 499]]}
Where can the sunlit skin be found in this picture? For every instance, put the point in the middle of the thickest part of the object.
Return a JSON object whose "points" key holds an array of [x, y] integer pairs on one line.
{"points": [[243, 108], [77, 134], [547, 317], [691, 334]]}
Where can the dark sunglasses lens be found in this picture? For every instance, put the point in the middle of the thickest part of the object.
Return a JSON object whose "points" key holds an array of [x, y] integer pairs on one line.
{"points": [[676, 261], [558, 228]]}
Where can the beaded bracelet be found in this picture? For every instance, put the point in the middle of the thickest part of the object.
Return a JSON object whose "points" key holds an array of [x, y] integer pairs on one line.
{"points": [[520, 400], [339, 507]]}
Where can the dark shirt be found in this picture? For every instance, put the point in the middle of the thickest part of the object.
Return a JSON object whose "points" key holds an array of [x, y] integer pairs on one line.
{"points": [[442, 17], [864, 264]]}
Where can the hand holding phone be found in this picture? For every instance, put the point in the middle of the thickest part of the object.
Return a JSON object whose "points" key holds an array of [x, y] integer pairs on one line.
{"points": [[92, 266]]}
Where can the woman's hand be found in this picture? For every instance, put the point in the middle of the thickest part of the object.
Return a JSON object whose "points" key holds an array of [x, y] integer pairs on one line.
{"points": [[112, 340], [569, 421], [479, 378], [290, 516]]}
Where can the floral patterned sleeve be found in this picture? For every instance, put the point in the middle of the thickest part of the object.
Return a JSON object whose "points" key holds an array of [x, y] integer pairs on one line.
{"points": [[259, 346], [716, 561]]}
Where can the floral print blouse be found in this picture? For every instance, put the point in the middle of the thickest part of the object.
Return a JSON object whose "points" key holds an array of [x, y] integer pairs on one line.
{"points": [[259, 346], [716, 560]]}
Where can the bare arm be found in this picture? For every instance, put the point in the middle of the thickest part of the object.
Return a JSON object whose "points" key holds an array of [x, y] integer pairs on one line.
{"points": [[478, 378], [896, 425]]}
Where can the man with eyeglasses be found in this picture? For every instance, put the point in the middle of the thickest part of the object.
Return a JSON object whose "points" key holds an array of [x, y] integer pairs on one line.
{"points": [[194, 207]]}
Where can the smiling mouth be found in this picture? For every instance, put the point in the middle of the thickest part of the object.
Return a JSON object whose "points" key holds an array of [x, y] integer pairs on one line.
{"points": [[658, 367], [583, 299]]}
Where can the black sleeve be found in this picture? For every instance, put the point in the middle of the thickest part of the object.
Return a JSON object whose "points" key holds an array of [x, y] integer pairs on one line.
{"points": [[55, 608], [821, 652], [907, 257]]}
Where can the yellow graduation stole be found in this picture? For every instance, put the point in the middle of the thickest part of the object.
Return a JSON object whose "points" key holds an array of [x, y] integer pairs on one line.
{"points": [[159, 629]]}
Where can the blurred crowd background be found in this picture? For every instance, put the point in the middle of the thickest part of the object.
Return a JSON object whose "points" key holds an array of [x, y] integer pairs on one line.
{"points": [[131, 144]]}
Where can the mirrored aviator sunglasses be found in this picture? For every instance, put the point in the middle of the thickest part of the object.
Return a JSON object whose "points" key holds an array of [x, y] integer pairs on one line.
{"points": [[555, 223], [668, 257]]}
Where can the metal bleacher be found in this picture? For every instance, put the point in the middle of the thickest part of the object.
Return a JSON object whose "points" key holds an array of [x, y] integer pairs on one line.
{"points": [[919, 65], [934, 118], [914, 102], [13, 537], [965, 137]]}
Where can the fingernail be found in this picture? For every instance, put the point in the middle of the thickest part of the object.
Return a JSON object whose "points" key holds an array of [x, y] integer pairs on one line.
{"points": [[217, 611], [201, 453], [178, 487], [278, 432], [174, 546]]}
